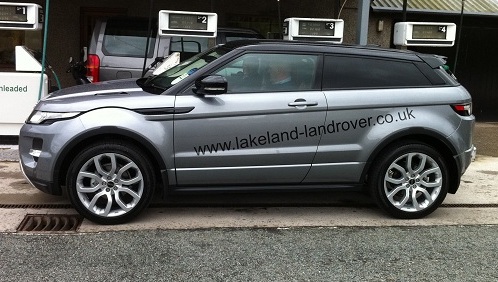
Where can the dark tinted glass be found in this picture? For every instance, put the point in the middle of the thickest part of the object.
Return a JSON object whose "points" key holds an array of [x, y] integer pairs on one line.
{"points": [[270, 72], [360, 72]]}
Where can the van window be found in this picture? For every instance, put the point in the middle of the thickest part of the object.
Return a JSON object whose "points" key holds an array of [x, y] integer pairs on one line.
{"points": [[189, 46], [128, 38], [344, 72]]}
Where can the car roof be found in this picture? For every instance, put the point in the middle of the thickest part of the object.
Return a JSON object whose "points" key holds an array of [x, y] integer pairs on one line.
{"points": [[329, 47]]}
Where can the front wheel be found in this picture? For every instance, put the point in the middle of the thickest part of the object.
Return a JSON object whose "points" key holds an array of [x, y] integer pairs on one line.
{"points": [[110, 182], [410, 180]]}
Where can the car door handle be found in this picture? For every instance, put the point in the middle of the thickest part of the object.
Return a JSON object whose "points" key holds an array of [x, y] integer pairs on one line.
{"points": [[302, 103]]}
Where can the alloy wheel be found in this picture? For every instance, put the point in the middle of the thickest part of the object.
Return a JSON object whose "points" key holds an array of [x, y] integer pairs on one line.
{"points": [[109, 185], [413, 182]]}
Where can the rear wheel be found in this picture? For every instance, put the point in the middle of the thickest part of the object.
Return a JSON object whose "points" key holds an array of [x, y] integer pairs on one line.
{"points": [[110, 182], [410, 180]]}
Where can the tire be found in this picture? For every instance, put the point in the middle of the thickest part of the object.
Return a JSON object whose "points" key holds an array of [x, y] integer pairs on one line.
{"points": [[409, 180], [110, 182]]}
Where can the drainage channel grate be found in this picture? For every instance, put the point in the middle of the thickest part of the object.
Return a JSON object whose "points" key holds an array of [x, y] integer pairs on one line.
{"points": [[35, 206], [469, 205], [50, 223], [233, 205]]}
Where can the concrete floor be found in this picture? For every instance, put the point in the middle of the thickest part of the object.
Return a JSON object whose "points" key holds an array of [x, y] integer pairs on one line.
{"points": [[476, 202]]}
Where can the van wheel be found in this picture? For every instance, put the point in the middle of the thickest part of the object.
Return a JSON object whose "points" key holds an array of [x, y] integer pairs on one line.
{"points": [[410, 180], [110, 182]]}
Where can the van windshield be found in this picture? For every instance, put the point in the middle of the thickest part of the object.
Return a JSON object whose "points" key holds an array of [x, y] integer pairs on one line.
{"points": [[186, 68]]}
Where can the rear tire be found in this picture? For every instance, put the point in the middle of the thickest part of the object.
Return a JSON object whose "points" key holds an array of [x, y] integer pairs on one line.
{"points": [[110, 182], [409, 180]]}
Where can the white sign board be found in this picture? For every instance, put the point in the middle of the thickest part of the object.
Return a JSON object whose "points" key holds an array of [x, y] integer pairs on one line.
{"points": [[18, 95], [193, 24], [20, 16], [431, 34], [315, 29]]}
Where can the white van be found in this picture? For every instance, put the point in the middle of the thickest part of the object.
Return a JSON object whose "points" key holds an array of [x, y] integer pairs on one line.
{"points": [[117, 47]]}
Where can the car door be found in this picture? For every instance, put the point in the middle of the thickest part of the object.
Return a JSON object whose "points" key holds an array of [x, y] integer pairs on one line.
{"points": [[256, 133], [367, 100]]}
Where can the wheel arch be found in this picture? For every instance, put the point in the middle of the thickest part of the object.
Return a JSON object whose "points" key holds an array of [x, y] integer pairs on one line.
{"points": [[425, 136], [108, 132]]}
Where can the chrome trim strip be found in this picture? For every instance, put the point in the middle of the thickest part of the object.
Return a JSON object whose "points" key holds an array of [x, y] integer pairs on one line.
{"points": [[24, 174], [98, 92], [35, 153], [241, 167]]}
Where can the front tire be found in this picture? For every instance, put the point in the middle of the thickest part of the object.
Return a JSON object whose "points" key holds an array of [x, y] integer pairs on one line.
{"points": [[409, 180], [110, 182]]}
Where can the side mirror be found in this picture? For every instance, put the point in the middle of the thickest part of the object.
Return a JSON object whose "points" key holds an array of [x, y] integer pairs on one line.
{"points": [[211, 85]]}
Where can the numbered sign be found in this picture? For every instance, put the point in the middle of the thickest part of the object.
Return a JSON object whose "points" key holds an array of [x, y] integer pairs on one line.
{"points": [[181, 23], [20, 16], [315, 29], [424, 34]]}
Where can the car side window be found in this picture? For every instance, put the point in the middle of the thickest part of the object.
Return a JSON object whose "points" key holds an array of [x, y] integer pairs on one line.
{"points": [[347, 72], [270, 72]]}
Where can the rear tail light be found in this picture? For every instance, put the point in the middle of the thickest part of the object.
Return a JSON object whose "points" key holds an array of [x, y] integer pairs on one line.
{"points": [[463, 109], [93, 68]]}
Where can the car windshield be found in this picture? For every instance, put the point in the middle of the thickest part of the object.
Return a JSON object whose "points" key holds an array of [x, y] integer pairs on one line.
{"points": [[176, 74]]}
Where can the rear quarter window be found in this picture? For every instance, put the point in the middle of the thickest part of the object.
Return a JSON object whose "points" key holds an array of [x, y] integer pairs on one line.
{"points": [[346, 72]]}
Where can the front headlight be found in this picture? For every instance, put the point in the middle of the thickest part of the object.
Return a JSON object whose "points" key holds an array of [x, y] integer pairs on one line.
{"points": [[38, 117]]}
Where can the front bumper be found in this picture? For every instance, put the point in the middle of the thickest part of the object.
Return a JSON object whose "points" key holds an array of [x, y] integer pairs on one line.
{"points": [[40, 148], [47, 187]]}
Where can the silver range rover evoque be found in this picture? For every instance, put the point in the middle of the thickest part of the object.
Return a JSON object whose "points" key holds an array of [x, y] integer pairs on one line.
{"points": [[257, 115]]}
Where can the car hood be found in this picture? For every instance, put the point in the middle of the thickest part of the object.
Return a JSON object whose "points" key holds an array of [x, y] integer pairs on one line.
{"points": [[106, 87], [117, 93]]}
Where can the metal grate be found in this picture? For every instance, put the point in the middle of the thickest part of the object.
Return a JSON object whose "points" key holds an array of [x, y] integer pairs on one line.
{"points": [[469, 205], [50, 223], [230, 205], [35, 206]]}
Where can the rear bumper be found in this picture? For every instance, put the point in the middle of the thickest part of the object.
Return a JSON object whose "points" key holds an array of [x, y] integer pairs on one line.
{"points": [[462, 162], [465, 158]]}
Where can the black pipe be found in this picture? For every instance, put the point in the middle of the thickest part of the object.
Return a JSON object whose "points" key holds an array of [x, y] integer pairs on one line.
{"points": [[280, 23], [149, 30], [405, 5], [459, 38]]}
